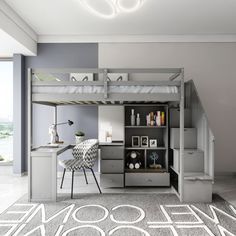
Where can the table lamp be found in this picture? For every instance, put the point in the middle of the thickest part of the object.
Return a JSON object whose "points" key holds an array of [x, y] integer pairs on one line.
{"points": [[54, 137]]}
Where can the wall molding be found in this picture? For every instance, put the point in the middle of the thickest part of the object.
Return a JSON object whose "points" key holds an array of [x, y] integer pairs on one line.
{"points": [[137, 38], [8, 11], [14, 26]]}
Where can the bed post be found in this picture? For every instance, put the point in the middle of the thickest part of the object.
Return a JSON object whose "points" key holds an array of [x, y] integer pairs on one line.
{"points": [[105, 83], [29, 129], [181, 174]]}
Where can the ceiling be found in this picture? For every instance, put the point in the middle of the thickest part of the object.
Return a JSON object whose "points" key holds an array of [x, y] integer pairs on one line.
{"points": [[65, 20]]}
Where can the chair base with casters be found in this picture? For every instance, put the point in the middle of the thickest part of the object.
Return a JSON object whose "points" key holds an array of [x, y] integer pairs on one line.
{"points": [[84, 154]]}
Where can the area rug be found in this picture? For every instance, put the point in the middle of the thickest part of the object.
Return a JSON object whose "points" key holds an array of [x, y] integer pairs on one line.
{"points": [[118, 215]]}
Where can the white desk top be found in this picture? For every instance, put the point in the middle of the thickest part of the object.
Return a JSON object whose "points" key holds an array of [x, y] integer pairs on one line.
{"points": [[46, 150], [111, 144]]}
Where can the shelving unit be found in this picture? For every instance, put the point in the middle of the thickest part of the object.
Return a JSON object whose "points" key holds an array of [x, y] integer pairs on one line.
{"points": [[147, 176]]}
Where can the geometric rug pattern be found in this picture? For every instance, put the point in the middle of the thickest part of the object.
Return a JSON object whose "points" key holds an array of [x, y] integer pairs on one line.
{"points": [[118, 215]]}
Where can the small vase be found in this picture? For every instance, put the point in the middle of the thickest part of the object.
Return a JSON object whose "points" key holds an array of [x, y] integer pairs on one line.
{"points": [[79, 139], [138, 120], [132, 118]]}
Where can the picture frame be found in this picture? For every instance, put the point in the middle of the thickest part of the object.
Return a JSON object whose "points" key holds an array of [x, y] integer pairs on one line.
{"points": [[135, 141], [153, 143], [144, 141]]}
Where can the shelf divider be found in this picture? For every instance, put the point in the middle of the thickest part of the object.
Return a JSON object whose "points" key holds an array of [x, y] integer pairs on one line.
{"points": [[146, 170], [144, 127], [145, 148]]}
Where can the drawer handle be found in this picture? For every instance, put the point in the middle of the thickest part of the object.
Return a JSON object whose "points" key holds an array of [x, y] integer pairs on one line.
{"points": [[190, 153], [149, 180]]}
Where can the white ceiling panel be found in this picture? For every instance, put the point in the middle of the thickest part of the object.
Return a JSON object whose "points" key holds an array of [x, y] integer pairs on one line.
{"points": [[154, 17]]}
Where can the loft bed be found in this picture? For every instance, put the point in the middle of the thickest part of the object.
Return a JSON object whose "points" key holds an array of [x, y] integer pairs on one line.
{"points": [[60, 90]]}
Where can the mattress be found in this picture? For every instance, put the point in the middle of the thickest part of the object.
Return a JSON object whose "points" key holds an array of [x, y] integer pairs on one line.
{"points": [[100, 89]]}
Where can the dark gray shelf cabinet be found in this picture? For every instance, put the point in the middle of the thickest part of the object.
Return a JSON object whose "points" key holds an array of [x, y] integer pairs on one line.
{"points": [[147, 176]]}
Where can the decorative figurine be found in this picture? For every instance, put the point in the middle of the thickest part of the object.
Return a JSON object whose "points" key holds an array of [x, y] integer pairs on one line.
{"points": [[133, 160]]}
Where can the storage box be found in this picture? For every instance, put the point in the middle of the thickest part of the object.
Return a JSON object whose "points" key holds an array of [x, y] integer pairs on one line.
{"points": [[193, 160], [190, 138]]}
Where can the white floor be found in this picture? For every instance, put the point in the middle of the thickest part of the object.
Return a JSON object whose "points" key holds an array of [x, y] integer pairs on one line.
{"points": [[13, 187]]}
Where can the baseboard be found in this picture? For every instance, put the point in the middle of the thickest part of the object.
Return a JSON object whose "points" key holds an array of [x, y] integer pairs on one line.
{"points": [[21, 174], [9, 163], [224, 173]]}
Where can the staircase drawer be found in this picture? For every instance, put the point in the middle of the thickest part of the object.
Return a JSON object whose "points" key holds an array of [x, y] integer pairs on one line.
{"points": [[112, 166], [193, 160], [190, 138], [147, 179]]}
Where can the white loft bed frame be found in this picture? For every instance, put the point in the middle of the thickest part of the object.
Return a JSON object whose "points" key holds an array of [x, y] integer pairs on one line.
{"points": [[55, 99]]}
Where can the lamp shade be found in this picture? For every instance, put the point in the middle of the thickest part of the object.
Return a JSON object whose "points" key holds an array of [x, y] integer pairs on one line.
{"points": [[70, 122]]}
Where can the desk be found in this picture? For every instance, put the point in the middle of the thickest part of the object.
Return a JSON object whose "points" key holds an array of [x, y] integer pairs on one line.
{"points": [[43, 172]]}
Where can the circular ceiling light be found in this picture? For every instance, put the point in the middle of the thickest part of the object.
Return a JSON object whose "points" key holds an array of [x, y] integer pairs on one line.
{"points": [[129, 5], [102, 8], [111, 8]]}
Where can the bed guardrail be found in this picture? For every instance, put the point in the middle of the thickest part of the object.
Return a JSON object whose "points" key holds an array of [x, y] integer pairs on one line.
{"points": [[106, 86]]}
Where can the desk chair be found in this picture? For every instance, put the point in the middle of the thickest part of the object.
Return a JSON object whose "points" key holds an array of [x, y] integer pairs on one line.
{"points": [[85, 155]]}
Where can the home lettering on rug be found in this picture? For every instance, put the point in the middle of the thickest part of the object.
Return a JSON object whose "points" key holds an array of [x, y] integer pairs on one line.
{"points": [[17, 222]]}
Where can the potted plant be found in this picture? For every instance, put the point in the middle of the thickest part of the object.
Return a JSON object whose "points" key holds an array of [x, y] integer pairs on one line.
{"points": [[79, 137]]}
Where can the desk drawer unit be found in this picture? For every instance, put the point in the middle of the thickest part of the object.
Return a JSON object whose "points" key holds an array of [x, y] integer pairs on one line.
{"points": [[147, 179], [193, 160], [112, 180], [112, 152], [112, 166]]}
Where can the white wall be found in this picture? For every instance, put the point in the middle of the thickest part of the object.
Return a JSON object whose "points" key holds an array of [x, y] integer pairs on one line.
{"points": [[212, 66]]}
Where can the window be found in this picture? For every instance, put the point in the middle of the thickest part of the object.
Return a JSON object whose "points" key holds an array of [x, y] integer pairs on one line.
{"points": [[6, 111]]}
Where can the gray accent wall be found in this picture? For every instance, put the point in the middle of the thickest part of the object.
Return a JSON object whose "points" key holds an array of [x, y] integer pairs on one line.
{"points": [[19, 114], [62, 55], [85, 119]]}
